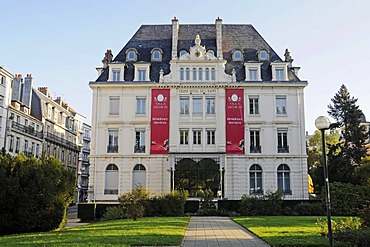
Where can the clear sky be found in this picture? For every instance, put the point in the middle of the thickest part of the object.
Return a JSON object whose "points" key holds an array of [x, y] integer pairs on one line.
{"points": [[62, 42]]}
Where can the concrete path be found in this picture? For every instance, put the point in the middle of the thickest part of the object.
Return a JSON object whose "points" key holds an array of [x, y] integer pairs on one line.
{"points": [[218, 231]]}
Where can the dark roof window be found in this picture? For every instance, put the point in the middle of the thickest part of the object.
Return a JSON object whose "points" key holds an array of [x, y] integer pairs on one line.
{"points": [[182, 52], [131, 55], [237, 55], [263, 55], [156, 54]]}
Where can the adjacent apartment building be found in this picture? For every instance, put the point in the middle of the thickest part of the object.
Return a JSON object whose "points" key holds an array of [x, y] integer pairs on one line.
{"points": [[36, 124], [190, 107]]}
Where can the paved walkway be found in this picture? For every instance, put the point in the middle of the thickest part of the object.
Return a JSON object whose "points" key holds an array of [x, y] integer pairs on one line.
{"points": [[218, 231]]}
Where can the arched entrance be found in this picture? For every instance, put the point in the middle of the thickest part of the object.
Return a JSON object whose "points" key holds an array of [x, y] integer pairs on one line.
{"points": [[193, 174]]}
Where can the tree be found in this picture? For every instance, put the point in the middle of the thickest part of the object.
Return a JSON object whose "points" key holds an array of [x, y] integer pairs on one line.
{"points": [[346, 154], [35, 193], [314, 153]]}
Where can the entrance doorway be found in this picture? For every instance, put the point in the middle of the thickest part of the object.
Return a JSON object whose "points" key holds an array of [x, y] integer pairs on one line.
{"points": [[193, 174]]}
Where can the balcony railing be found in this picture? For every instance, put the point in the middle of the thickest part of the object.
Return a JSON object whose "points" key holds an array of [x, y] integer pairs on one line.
{"points": [[112, 149], [85, 161], [283, 149], [59, 140], [139, 149], [86, 138], [255, 149], [27, 129]]}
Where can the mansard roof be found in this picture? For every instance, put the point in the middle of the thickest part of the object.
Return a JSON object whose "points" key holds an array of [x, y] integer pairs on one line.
{"points": [[241, 37]]}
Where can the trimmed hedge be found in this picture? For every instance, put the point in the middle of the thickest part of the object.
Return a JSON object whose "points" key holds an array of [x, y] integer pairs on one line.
{"points": [[34, 194], [86, 211], [229, 205]]}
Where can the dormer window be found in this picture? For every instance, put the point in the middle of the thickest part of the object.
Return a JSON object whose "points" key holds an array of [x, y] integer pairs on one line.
{"points": [[131, 55], [156, 54], [263, 55], [141, 71], [252, 71], [279, 71], [237, 55], [182, 52], [116, 71]]}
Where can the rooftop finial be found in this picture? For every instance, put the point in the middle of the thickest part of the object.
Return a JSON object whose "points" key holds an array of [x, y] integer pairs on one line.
{"points": [[197, 40]]}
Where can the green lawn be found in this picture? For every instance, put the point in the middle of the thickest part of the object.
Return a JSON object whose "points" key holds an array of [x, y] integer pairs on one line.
{"points": [[286, 230], [145, 231]]}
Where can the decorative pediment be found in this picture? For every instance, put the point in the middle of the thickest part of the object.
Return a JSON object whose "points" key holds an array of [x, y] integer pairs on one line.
{"points": [[198, 52]]}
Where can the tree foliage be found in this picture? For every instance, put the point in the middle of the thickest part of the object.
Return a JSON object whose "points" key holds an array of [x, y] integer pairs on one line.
{"points": [[34, 193], [348, 152], [314, 153]]}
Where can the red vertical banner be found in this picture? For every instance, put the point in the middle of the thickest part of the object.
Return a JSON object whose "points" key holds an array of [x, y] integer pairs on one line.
{"points": [[160, 121], [234, 121]]}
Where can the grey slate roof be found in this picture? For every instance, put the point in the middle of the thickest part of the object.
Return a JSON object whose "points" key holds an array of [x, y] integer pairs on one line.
{"points": [[242, 37]]}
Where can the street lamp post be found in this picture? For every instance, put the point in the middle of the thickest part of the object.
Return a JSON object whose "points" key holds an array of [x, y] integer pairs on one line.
{"points": [[322, 123]]}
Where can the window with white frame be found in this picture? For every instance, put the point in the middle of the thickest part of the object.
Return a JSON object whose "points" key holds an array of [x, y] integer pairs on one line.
{"points": [[116, 73], [197, 137], [213, 74], [11, 143], [141, 106], [182, 74], [207, 74], [252, 71], [253, 105], [255, 180], [237, 55], [142, 74], [111, 180], [112, 141], [113, 105], [255, 146], [282, 139], [200, 74], [210, 105], [184, 105], [280, 74], [281, 105], [197, 106], [263, 55], [283, 178], [252, 74], [279, 71], [195, 74], [17, 143], [187, 74], [184, 137], [156, 54], [211, 137], [139, 141], [141, 71], [131, 55]]}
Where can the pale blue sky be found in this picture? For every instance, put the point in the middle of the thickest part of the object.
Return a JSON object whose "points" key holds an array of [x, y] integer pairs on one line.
{"points": [[61, 42]]}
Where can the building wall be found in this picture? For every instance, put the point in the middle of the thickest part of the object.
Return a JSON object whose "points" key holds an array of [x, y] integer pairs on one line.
{"points": [[240, 49]]}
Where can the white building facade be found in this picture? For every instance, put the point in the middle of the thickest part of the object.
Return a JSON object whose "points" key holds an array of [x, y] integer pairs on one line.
{"points": [[190, 107]]}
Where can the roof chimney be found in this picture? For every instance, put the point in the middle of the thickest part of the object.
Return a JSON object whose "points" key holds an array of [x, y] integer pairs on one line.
{"points": [[16, 87], [44, 90], [27, 90], [219, 37], [107, 58], [175, 36]]}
